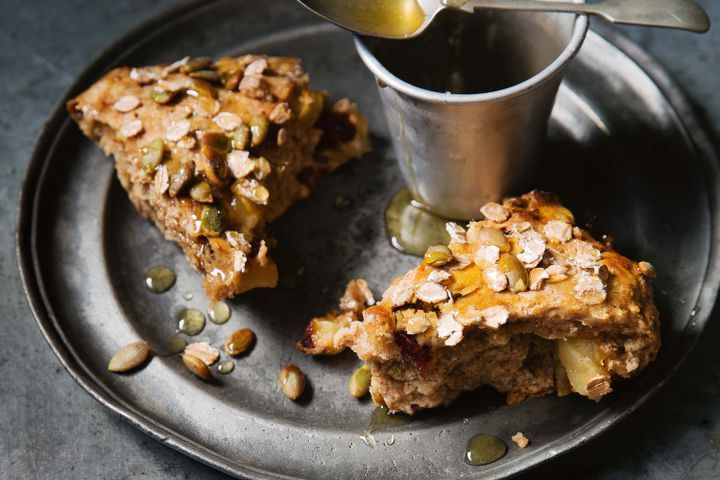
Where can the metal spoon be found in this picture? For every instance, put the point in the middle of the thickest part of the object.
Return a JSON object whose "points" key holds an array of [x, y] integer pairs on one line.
{"points": [[409, 18]]}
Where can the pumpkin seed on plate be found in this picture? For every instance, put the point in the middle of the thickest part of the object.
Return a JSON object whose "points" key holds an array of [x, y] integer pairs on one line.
{"points": [[196, 366], [129, 357], [360, 382], [292, 381], [239, 341]]}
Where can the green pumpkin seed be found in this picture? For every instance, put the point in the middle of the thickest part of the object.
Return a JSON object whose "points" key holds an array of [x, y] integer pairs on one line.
{"points": [[161, 96], [179, 180], [212, 221], [240, 137], [259, 126], [360, 382], [152, 155], [438, 255], [201, 192]]}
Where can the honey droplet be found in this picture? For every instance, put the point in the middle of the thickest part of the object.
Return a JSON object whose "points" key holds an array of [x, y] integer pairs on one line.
{"points": [[159, 278], [411, 228], [483, 449], [219, 312], [343, 203], [191, 321], [226, 366], [176, 345]]}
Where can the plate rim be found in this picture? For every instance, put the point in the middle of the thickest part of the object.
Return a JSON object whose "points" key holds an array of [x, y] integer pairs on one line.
{"points": [[692, 129]]}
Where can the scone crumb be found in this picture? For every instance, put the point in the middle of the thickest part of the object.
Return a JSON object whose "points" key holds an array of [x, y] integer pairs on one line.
{"points": [[204, 351], [520, 440]]}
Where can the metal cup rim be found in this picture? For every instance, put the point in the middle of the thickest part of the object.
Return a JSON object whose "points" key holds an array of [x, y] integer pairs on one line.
{"points": [[383, 74]]}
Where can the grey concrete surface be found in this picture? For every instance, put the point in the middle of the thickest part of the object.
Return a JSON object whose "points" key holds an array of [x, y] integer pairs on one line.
{"points": [[50, 428]]}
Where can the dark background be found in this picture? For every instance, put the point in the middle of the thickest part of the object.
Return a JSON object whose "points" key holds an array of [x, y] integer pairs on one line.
{"points": [[50, 428]]}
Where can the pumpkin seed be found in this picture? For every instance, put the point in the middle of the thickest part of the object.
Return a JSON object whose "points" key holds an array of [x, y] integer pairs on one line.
{"points": [[217, 141], [152, 155], [179, 180], [208, 75], [360, 382], [201, 192], [195, 64], [129, 357], [239, 341], [191, 321], [161, 96], [212, 220], [240, 137], [252, 190], [292, 381], [488, 236], [438, 255], [259, 126], [219, 312], [516, 274], [232, 80], [196, 366], [310, 108]]}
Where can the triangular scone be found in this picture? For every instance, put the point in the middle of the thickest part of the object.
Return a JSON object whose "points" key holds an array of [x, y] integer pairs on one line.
{"points": [[523, 301], [213, 151]]}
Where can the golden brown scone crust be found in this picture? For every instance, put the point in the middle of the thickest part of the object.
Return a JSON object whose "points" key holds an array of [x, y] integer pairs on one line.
{"points": [[122, 113], [425, 347]]}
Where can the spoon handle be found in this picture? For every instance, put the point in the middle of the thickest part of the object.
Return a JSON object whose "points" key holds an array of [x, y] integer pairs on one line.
{"points": [[678, 14]]}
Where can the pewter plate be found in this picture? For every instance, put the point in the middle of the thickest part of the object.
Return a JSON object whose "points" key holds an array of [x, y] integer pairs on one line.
{"points": [[624, 148]]}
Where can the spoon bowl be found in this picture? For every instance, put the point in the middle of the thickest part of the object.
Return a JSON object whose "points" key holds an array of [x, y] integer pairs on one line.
{"points": [[397, 19]]}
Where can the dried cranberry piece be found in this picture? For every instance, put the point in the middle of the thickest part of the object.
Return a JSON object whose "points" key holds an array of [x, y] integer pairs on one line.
{"points": [[412, 352]]}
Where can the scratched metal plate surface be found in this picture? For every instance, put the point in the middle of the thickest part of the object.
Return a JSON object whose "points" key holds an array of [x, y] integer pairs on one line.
{"points": [[623, 146]]}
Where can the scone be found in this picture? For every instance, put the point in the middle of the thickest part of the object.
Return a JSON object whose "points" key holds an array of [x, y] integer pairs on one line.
{"points": [[213, 151], [523, 301]]}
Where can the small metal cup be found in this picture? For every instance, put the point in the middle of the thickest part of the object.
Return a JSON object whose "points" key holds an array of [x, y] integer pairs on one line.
{"points": [[468, 101]]}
